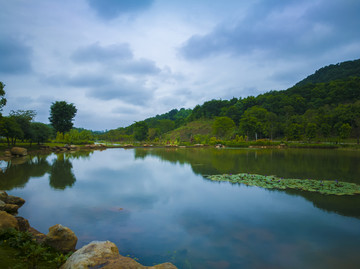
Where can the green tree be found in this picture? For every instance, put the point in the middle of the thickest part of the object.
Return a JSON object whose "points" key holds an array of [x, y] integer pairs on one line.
{"points": [[62, 115], [11, 130], [223, 127], [24, 118], [141, 130], [253, 122], [344, 131], [294, 131], [310, 131], [40, 132]]}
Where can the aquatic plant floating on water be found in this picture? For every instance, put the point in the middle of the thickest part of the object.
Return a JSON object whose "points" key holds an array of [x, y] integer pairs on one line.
{"points": [[329, 187]]}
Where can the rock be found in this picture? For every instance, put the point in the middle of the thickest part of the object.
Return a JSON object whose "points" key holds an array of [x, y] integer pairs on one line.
{"points": [[17, 151], [3, 195], [61, 238], [92, 255], [9, 208], [8, 221], [15, 200], [7, 153], [104, 255], [23, 224], [39, 237]]}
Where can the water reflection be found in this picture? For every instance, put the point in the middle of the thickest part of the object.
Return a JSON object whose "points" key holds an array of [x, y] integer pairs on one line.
{"points": [[290, 163], [61, 175], [155, 207], [18, 171], [293, 163]]}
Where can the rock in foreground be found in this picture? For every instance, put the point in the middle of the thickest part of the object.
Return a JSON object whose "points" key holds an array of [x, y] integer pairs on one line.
{"points": [[61, 238], [8, 221], [104, 254]]}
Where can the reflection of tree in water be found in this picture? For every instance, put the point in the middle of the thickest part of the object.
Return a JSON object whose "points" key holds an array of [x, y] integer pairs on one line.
{"points": [[19, 171], [61, 175], [289, 163]]}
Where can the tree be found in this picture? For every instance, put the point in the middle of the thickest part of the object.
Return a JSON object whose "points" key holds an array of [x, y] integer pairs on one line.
{"points": [[2, 94], [24, 118], [310, 131], [141, 130], [11, 130], [40, 132], [62, 115], [344, 131], [223, 127]]}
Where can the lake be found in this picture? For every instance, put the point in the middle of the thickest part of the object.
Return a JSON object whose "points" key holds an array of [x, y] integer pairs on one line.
{"points": [[157, 206]]}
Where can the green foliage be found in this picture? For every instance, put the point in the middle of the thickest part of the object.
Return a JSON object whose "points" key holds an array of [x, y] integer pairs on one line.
{"points": [[40, 132], [10, 129], [332, 72], [310, 131], [223, 127], [29, 253], [62, 115], [141, 131], [344, 130], [2, 94], [75, 137]]}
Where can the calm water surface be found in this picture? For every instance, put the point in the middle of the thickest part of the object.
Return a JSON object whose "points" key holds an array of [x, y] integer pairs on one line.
{"points": [[155, 205]]}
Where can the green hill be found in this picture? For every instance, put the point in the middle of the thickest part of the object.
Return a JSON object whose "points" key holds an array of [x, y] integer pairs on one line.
{"points": [[325, 105], [333, 72]]}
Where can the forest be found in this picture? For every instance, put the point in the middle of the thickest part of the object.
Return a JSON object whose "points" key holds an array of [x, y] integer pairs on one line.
{"points": [[324, 107]]}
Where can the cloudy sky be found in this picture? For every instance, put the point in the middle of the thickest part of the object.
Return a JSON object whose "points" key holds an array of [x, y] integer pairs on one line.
{"points": [[120, 61]]}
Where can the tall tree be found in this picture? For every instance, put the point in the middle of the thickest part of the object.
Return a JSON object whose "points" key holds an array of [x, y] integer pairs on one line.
{"points": [[62, 115]]}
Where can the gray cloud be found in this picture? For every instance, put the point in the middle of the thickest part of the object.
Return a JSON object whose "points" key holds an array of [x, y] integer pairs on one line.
{"points": [[311, 30], [15, 56], [141, 67], [124, 90], [116, 57], [111, 9], [96, 53]]}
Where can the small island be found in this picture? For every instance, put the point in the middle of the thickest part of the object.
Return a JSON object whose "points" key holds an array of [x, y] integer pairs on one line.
{"points": [[327, 187]]}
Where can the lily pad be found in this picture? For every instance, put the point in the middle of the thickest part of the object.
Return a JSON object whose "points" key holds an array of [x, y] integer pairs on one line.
{"points": [[326, 187]]}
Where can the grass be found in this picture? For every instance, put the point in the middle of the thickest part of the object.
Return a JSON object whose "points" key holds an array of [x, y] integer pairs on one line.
{"points": [[20, 250]]}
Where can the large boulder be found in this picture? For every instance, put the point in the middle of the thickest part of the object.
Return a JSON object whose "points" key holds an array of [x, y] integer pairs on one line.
{"points": [[61, 238], [8, 221], [104, 255], [18, 151]]}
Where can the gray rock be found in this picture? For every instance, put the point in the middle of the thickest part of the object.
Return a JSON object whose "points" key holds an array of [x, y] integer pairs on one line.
{"points": [[105, 255]]}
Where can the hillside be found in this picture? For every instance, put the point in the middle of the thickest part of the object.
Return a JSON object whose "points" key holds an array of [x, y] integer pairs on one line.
{"points": [[324, 105], [333, 72]]}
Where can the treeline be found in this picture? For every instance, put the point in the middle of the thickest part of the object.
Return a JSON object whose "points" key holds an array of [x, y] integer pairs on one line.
{"points": [[19, 125], [318, 107]]}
